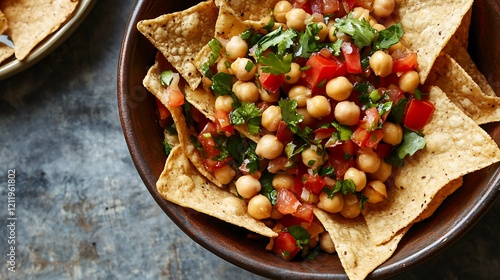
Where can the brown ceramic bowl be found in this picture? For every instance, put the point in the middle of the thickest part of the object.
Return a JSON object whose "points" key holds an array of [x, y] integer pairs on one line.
{"points": [[144, 138]]}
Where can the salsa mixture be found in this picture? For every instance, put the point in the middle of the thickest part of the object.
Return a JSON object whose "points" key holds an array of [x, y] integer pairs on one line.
{"points": [[331, 94]]}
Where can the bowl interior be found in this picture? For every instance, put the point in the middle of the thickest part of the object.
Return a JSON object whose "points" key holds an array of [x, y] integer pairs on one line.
{"points": [[144, 139]]}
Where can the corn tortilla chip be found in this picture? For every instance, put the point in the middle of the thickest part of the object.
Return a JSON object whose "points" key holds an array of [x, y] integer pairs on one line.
{"points": [[181, 184], [462, 34], [456, 145], [5, 52], [436, 201], [4, 25], [463, 91], [32, 21], [249, 10], [181, 36], [428, 26]]}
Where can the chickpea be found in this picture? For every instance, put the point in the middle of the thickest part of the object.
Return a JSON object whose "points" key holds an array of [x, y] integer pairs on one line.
{"points": [[246, 91], [318, 106], [259, 207], [243, 68], [234, 205], [331, 205], [357, 176], [293, 76], [283, 181], [383, 172], [222, 65], [361, 13], [351, 208], [379, 27], [236, 47], [383, 8], [375, 191], [271, 118], [339, 89], [269, 147], [368, 161], [332, 34], [280, 10], [296, 19], [323, 33], [392, 133], [396, 47], [224, 174], [270, 97], [347, 113], [247, 186], [300, 94], [381, 63], [224, 103], [313, 241], [312, 157], [308, 119], [409, 81], [276, 214], [326, 243]]}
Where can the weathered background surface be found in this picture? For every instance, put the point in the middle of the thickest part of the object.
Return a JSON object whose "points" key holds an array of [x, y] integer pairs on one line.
{"points": [[84, 213]]}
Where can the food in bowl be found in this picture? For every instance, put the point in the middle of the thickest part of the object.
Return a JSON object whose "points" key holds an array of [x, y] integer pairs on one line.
{"points": [[364, 242]]}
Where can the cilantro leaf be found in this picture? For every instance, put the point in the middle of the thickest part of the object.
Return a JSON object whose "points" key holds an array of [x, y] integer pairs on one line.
{"points": [[344, 132], [341, 186], [168, 147], [248, 114], [388, 37], [289, 112], [266, 181], [276, 64], [300, 234], [412, 142], [398, 110], [308, 41], [221, 84], [278, 38], [360, 30]]}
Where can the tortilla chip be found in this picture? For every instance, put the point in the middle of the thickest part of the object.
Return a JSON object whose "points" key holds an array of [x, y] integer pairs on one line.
{"points": [[4, 25], [436, 201], [249, 10], [181, 36], [47, 15], [5, 52], [181, 184], [463, 91], [462, 33], [202, 100], [428, 26], [461, 56], [456, 145], [356, 248]]}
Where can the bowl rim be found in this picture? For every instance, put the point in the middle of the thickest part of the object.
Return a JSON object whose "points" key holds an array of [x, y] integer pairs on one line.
{"points": [[453, 234]]}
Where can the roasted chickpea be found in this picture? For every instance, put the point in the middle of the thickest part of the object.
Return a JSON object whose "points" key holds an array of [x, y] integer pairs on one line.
{"points": [[383, 172], [280, 10], [347, 113], [293, 76], [326, 243], [312, 157], [271, 118], [339, 89], [236, 47], [381, 63], [269, 147], [296, 19], [222, 65], [383, 8], [246, 91], [308, 120], [357, 176], [375, 191], [300, 94], [224, 174], [331, 205], [318, 106], [243, 68], [259, 207], [224, 103], [392, 133], [409, 81], [283, 181], [367, 160], [247, 186], [352, 207]]}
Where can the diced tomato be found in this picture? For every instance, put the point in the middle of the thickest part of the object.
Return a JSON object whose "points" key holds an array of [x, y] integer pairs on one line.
{"points": [[405, 63], [282, 164], [175, 97], [370, 120], [394, 94], [383, 150], [303, 4], [325, 7], [391, 79], [271, 82], [163, 113], [207, 141], [284, 134], [351, 4], [340, 163], [352, 57], [323, 133], [418, 114], [286, 202], [323, 69], [304, 213], [360, 136], [314, 183], [289, 220], [222, 122], [374, 138], [285, 246]]}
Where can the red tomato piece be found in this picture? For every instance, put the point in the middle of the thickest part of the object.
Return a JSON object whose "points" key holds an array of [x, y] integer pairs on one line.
{"points": [[405, 63], [207, 141], [304, 213], [323, 133], [383, 150], [304, 5], [285, 246], [323, 69], [370, 120], [175, 97], [360, 136], [286, 202], [222, 122], [271, 82], [418, 114], [374, 138], [325, 7], [314, 183], [284, 134], [163, 113], [352, 57]]}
